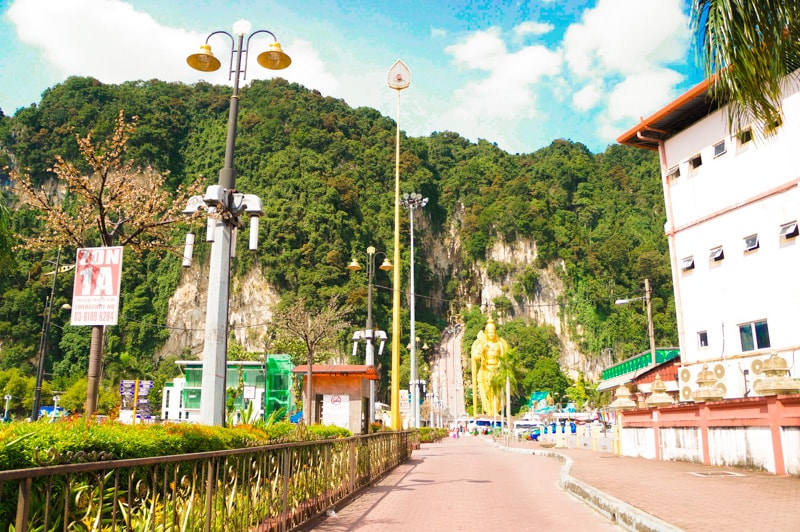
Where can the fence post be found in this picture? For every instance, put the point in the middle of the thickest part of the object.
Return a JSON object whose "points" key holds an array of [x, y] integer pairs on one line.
{"points": [[210, 494], [23, 504]]}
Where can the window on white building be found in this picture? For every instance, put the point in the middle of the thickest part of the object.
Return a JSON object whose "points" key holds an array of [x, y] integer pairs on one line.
{"points": [[719, 148], [695, 162], [751, 242], [674, 173], [687, 263], [772, 126], [716, 254], [702, 339], [789, 230], [754, 335], [744, 136]]}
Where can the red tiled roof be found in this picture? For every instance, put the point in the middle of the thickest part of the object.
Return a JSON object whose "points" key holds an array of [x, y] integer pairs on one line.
{"points": [[339, 370]]}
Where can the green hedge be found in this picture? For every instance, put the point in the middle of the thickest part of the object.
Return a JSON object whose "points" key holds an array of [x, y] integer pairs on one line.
{"points": [[431, 434], [24, 445]]}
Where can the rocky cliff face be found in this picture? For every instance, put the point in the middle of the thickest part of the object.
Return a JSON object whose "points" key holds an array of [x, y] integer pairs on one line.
{"points": [[252, 299], [542, 308], [250, 311]]}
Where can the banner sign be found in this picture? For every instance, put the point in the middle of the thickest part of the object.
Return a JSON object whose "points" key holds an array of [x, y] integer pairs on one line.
{"points": [[95, 297], [336, 410]]}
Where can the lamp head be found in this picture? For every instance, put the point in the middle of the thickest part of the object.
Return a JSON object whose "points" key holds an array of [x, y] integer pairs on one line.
{"points": [[274, 58], [204, 60], [354, 266], [621, 302], [386, 265]]}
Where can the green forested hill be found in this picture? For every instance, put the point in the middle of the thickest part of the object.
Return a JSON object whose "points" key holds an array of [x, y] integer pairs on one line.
{"points": [[325, 173]]}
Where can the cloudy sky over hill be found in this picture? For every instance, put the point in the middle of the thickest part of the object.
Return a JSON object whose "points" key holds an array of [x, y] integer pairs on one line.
{"points": [[517, 73]]}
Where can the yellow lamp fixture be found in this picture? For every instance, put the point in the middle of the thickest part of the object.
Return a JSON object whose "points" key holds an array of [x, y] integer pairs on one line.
{"points": [[355, 266], [204, 60], [274, 58]]}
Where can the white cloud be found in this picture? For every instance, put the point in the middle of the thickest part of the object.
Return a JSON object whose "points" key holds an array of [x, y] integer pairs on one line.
{"points": [[507, 91], [622, 50], [503, 94], [637, 96], [587, 97], [308, 69], [533, 28], [642, 94], [438, 33], [480, 50], [111, 41], [627, 36]]}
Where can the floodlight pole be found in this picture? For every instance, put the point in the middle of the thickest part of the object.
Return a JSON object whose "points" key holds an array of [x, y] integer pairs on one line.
{"points": [[413, 201]]}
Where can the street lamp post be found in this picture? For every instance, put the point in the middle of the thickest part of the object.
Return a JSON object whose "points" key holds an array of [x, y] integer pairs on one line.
{"points": [[413, 201], [650, 330], [369, 330], [8, 400], [225, 206], [44, 343], [430, 406], [399, 79]]}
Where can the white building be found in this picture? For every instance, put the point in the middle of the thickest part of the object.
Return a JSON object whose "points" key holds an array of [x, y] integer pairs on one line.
{"points": [[262, 388], [733, 205]]}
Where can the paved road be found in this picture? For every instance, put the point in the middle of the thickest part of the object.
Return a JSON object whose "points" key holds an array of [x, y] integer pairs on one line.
{"points": [[467, 484], [447, 378]]}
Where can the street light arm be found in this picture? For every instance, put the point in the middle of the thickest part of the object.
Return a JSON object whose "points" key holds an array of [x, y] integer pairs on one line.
{"points": [[650, 328], [629, 300]]}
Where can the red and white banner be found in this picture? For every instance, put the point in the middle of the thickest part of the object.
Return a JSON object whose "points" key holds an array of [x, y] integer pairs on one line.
{"points": [[95, 297]]}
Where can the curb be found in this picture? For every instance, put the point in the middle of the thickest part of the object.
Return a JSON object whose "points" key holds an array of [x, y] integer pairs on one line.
{"points": [[618, 512]]}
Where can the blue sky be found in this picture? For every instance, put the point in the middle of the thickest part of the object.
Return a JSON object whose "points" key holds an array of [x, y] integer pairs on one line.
{"points": [[520, 74]]}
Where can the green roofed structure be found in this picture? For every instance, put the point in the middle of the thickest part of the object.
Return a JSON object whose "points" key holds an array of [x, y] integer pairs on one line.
{"points": [[258, 388], [625, 371]]}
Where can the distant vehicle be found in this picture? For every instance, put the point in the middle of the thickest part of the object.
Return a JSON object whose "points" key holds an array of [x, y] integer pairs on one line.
{"points": [[523, 427], [51, 413], [484, 425]]}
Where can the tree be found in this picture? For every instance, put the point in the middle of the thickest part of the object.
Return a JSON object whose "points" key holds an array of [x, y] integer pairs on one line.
{"points": [[6, 242], [315, 328], [547, 376], [109, 201], [748, 49], [507, 376]]}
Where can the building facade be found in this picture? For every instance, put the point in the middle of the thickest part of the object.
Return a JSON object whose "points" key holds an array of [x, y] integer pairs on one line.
{"points": [[732, 203], [261, 388]]}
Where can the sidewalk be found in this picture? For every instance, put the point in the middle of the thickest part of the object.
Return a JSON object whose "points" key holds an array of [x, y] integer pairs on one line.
{"points": [[472, 483], [466, 484], [690, 497]]}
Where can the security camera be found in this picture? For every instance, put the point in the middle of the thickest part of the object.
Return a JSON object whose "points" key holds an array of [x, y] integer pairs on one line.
{"points": [[215, 196]]}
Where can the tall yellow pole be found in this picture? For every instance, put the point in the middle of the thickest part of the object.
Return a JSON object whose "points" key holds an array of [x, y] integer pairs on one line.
{"points": [[399, 79], [395, 403]]}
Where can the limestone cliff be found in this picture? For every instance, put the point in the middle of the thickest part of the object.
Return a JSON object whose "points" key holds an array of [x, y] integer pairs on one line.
{"points": [[252, 299]]}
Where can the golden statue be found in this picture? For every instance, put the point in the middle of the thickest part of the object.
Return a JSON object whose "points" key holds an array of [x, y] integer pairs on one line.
{"points": [[487, 349]]}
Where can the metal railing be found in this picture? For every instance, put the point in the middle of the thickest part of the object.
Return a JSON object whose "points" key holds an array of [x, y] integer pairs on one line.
{"points": [[275, 487]]}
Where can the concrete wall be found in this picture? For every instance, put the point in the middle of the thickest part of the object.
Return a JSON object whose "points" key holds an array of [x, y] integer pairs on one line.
{"points": [[756, 433], [638, 443], [791, 440], [681, 444], [748, 447]]}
